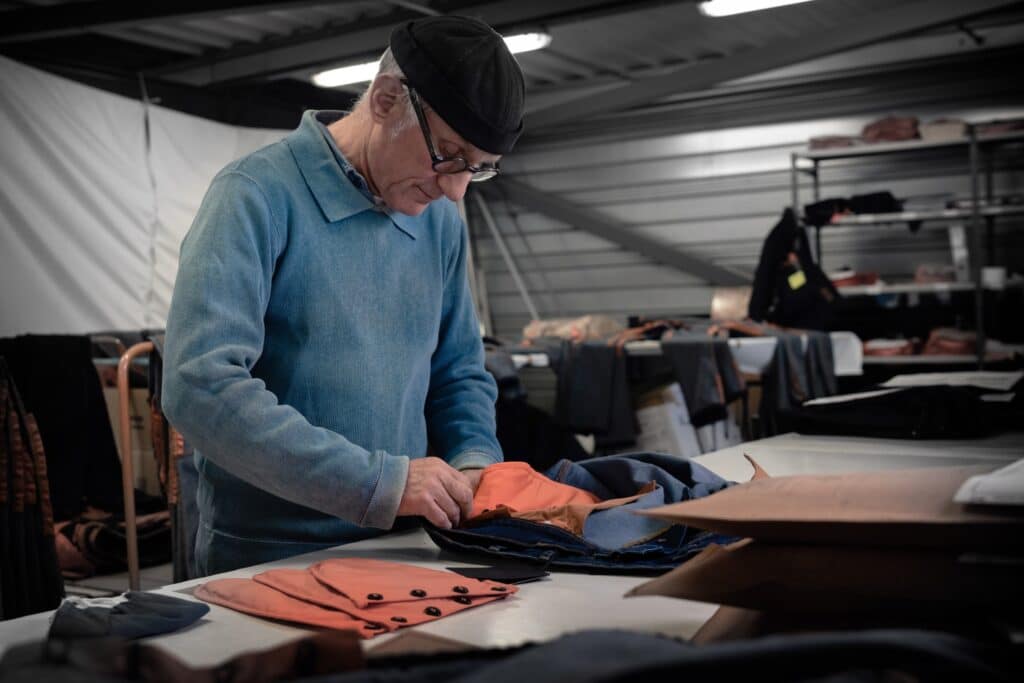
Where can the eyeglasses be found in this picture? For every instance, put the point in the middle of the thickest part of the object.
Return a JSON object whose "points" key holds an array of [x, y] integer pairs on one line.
{"points": [[448, 165]]}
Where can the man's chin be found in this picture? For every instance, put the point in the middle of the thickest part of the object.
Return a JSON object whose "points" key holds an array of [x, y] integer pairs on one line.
{"points": [[411, 208]]}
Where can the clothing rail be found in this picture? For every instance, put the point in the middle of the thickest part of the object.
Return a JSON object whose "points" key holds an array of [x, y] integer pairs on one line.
{"points": [[752, 354], [127, 463]]}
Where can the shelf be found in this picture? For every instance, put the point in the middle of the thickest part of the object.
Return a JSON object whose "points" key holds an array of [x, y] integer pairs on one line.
{"points": [[959, 359], [869, 149], [937, 214], [905, 288]]}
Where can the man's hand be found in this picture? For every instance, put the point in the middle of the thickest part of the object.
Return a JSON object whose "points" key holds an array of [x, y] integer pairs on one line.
{"points": [[473, 475], [437, 491]]}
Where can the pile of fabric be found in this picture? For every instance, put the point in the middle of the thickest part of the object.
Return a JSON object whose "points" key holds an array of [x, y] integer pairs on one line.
{"points": [[29, 579], [580, 515], [368, 597]]}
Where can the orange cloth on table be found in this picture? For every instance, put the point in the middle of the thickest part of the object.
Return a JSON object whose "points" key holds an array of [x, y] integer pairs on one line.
{"points": [[517, 486], [363, 595]]}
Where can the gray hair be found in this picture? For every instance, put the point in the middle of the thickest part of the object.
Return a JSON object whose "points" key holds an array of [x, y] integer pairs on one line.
{"points": [[389, 66]]}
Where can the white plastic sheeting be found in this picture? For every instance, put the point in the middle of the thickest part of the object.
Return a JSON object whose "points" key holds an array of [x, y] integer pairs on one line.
{"points": [[90, 220]]}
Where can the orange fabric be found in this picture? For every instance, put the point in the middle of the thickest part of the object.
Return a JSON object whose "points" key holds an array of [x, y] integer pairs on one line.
{"points": [[395, 582], [517, 486], [362, 595], [572, 517], [246, 595]]}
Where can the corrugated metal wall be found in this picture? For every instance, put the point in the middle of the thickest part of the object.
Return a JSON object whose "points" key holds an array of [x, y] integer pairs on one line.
{"points": [[715, 190]]}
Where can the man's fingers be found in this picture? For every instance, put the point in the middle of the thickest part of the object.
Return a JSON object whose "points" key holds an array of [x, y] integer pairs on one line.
{"points": [[448, 506], [437, 516], [460, 490]]}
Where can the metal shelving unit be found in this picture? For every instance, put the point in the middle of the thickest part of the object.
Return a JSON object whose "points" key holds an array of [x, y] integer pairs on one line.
{"points": [[905, 288], [810, 162]]}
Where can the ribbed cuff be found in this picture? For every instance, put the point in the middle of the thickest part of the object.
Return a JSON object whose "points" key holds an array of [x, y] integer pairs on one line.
{"points": [[473, 460], [387, 495]]}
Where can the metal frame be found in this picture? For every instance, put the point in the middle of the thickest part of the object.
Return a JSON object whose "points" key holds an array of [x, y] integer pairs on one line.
{"points": [[877, 27], [73, 18], [977, 217], [613, 231], [311, 49], [127, 464]]}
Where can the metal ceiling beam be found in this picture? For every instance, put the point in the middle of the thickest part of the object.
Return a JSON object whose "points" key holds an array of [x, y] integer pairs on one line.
{"points": [[336, 44], [37, 23], [609, 229], [879, 26]]}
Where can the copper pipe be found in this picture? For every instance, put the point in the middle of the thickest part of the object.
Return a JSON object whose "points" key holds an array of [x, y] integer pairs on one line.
{"points": [[127, 464]]}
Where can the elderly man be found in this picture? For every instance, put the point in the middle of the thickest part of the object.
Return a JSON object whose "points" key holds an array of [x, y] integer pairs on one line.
{"points": [[322, 336]]}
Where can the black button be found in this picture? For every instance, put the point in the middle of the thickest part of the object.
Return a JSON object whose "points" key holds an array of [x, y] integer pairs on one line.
{"points": [[399, 620], [463, 600], [460, 589], [373, 626], [418, 593], [374, 596], [499, 589], [432, 611]]}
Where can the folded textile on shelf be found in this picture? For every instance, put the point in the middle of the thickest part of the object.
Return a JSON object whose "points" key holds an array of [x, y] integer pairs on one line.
{"points": [[891, 129], [888, 347]]}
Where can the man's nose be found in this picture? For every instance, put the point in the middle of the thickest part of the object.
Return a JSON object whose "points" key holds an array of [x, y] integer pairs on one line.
{"points": [[454, 185]]}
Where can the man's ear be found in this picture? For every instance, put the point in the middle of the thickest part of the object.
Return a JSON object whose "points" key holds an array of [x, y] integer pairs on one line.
{"points": [[385, 95]]}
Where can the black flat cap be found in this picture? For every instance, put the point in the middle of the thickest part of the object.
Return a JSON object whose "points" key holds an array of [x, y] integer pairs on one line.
{"points": [[464, 71]]}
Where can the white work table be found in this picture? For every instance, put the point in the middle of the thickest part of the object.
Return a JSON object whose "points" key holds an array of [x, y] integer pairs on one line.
{"points": [[566, 601]]}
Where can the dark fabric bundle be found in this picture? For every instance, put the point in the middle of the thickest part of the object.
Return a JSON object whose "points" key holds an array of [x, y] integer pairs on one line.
{"points": [[613, 538], [593, 393], [609, 656], [820, 213], [138, 616], [29, 578], [707, 373], [936, 412], [795, 375], [95, 542], [60, 387], [786, 293]]}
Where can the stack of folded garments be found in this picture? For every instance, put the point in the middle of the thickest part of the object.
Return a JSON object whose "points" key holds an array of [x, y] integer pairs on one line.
{"points": [[580, 515], [366, 596], [891, 129], [876, 543], [888, 347]]}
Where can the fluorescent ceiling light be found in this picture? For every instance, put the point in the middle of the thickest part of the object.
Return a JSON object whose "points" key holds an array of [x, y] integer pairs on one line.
{"points": [[527, 42], [361, 73], [723, 8], [346, 75]]}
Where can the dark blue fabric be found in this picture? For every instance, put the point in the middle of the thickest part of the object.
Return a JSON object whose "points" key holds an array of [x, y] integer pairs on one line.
{"points": [[186, 520], [140, 615], [614, 538]]}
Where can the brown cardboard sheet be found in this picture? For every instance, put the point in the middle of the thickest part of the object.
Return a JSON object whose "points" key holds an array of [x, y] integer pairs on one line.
{"points": [[888, 508], [843, 580]]}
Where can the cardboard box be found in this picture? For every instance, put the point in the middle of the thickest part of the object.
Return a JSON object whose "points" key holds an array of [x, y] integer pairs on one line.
{"points": [[841, 580], [893, 508]]}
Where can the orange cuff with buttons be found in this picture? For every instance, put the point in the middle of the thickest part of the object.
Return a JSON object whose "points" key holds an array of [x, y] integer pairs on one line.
{"points": [[363, 595]]}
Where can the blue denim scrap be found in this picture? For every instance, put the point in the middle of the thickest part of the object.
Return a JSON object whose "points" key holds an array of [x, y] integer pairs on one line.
{"points": [[613, 539]]}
